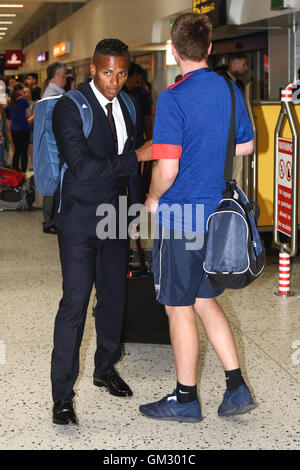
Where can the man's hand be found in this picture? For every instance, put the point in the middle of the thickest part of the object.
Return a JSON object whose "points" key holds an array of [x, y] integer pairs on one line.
{"points": [[151, 204], [133, 231], [144, 153]]}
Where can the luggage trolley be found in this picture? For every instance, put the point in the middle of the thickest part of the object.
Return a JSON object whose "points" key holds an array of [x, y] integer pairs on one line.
{"points": [[285, 207]]}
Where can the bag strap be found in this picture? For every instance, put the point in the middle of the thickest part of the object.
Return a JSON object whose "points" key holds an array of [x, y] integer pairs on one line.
{"points": [[230, 152], [84, 109], [129, 105]]}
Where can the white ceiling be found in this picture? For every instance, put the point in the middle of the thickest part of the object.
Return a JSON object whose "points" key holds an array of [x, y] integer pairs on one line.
{"points": [[23, 17]]}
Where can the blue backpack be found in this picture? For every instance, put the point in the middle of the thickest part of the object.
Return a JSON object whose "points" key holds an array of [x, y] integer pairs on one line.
{"points": [[46, 161], [234, 255]]}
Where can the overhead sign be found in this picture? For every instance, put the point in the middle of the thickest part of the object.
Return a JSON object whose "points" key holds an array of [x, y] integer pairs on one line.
{"points": [[43, 57], [214, 9], [280, 4], [14, 59], [284, 179], [61, 49]]}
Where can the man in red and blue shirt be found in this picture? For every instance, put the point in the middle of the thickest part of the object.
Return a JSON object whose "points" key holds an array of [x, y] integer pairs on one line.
{"points": [[190, 140]]}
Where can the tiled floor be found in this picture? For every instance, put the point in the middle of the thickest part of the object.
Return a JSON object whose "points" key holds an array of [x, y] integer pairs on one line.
{"points": [[266, 329]]}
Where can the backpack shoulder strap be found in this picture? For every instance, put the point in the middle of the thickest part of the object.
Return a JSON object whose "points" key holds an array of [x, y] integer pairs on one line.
{"points": [[84, 109], [129, 105], [230, 152]]}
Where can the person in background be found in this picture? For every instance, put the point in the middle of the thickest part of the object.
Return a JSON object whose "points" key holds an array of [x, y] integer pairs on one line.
{"points": [[56, 81], [20, 129], [71, 84], [134, 87], [4, 138], [4, 135], [237, 66], [32, 82], [10, 85], [222, 70], [27, 94], [10, 82], [35, 97]]}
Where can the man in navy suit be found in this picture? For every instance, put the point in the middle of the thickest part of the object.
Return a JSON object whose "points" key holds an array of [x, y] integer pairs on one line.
{"points": [[101, 168]]}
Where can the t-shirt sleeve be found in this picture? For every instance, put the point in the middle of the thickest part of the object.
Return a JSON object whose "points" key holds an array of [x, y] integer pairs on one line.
{"points": [[243, 128], [168, 128]]}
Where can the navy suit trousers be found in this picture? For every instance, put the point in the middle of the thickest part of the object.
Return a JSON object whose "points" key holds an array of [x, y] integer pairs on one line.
{"points": [[86, 261]]}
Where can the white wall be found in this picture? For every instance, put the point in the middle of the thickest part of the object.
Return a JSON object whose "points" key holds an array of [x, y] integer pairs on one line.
{"points": [[248, 11]]}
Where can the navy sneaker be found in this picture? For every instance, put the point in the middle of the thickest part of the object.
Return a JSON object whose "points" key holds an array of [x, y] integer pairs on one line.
{"points": [[170, 409], [236, 402]]}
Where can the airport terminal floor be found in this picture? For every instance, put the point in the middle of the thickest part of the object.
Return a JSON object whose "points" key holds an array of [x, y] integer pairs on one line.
{"points": [[267, 333]]}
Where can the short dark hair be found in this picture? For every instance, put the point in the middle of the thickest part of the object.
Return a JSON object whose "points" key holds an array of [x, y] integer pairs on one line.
{"points": [[35, 94], [13, 95], [53, 68], [136, 68], [191, 35], [111, 47], [236, 56], [33, 75]]}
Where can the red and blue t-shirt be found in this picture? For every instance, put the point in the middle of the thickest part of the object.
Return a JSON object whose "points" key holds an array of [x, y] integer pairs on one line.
{"points": [[192, 124]]}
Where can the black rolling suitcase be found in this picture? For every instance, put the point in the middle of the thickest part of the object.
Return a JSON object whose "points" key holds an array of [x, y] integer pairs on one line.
{"points": [[145, 320]]}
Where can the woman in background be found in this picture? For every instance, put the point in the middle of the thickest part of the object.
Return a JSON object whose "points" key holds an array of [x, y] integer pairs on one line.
{"points": [[20, 128]]}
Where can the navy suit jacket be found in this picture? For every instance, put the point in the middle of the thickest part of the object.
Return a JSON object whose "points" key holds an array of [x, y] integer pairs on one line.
{"points": [[95, 174]]}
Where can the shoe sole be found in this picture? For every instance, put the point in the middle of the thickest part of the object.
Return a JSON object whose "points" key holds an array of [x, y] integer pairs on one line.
{"points": [[240, 410], [64, 422], [101, 384], [179, 420]]}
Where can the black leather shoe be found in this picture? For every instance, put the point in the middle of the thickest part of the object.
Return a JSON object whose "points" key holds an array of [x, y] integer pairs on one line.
{"points": [[63, 413], [114, 384], [52, 229]]}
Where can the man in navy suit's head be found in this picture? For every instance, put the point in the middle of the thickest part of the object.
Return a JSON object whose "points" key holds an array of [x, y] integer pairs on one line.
{"points": [[110, 67]]}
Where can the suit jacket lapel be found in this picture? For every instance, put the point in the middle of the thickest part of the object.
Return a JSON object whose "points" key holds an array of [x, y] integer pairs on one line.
{"points": [[98, 111]]}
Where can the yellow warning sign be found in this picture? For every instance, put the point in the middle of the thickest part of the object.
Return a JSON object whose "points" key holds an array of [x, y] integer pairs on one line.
{"points": [[215, 10], [204, 7]]}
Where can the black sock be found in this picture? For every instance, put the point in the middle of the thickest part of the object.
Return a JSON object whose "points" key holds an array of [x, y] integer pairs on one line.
{"points": [[186, 393], [233, 379]]}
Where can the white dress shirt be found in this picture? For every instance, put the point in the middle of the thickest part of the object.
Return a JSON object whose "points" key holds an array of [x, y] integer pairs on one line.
{"points": [[117, 114]]}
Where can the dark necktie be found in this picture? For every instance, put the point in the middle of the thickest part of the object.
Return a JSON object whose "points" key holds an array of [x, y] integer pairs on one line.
{"points": [[112, 124]]}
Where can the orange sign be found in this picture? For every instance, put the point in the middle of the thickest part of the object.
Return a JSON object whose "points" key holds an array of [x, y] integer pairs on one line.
{"points": [[61, 49]]}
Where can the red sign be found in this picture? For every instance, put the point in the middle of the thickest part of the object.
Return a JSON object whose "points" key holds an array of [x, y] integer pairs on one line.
{"points": [[284, 186], [14, 59]]}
